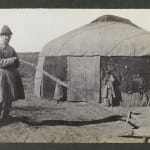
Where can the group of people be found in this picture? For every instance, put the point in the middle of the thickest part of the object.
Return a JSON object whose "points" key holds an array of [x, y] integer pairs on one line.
{"points": [[135, 83], [129, 83]]}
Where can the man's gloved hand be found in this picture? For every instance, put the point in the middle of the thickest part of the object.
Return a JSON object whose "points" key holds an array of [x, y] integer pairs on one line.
{"points": [[16, 62], [15, 58]]}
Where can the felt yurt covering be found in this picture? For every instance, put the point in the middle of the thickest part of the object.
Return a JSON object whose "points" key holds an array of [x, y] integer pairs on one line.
{"points": [[77, 56]]}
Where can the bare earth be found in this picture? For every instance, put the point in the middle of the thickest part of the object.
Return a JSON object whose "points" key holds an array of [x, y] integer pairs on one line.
{"points": [[35, 120]]}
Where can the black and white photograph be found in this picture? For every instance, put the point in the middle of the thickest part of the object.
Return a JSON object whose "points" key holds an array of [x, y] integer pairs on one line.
{"points": [[74, 76]]}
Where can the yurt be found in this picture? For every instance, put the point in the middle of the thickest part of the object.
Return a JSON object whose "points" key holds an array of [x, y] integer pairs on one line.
{"points": [[79, 58]]}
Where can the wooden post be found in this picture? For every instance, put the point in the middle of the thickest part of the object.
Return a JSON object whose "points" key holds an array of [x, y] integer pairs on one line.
{"points": [[145, 139], [100, 80], [128, 117]]}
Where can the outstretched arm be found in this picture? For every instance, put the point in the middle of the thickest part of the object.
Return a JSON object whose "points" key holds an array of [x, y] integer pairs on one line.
{"points": [[8, 62]]}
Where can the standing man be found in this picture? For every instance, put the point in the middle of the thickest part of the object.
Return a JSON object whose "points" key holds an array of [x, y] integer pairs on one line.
{"points": [[11, 87]]}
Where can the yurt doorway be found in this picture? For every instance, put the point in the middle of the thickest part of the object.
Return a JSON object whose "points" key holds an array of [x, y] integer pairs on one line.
{"points": [[131, 79], [84, 79]]}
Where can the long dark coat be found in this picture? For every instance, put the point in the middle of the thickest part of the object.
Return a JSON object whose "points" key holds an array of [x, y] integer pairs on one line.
{"points": [[11, 85]]}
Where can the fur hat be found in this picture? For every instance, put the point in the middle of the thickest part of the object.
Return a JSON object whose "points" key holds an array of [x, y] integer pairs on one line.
{"points": [[5, 30]]}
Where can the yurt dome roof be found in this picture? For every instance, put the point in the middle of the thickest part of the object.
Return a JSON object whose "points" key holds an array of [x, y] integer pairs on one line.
{"points": [[108, 35]]}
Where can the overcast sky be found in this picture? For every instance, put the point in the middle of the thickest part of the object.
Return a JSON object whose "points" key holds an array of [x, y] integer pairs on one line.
{"points": [[33, 28]]}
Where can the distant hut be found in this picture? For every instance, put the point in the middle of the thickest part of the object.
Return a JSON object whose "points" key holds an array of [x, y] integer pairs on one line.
{"points": [[80, 57]]}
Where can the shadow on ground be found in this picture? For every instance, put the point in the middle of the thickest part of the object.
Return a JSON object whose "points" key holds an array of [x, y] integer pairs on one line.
{"points": [[74, 123], [33, 108], [28, 121]]}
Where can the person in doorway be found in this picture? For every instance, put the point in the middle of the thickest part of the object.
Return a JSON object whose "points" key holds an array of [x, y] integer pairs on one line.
{"points": [[11, 87], [108, 91], [140, 84]]}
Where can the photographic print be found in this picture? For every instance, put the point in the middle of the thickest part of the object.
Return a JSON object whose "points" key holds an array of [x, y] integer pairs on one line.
{"points": [[74, 76]]}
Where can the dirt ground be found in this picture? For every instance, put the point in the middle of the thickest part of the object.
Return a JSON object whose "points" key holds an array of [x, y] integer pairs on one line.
{"points": [[35, 120]]}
